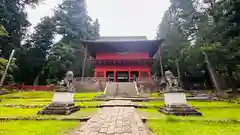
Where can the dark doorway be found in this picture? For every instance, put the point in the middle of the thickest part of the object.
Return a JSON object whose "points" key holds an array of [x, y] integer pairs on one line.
{"points": [[122, 76], [110, 76], [134, 75]]}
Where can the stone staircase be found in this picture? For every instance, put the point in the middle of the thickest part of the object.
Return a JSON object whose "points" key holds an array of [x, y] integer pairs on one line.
{"points": [[121, 89], [111, 89]]}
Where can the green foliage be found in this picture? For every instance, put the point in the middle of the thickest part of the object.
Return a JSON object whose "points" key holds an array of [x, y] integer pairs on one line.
{"points": [[60, 60], [11, 69], [14, 20], [75, 25], [37, 53], [191, 27], [32, 55]]}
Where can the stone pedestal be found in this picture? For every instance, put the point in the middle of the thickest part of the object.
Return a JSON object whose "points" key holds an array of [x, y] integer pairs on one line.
{"points": [[176, 104], [62, 103]]}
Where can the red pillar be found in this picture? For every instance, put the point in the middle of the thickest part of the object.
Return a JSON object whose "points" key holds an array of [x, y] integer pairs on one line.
{"points": [[114, 74], [104, 74], [129, 75], [149, 75], [139, 75], [95, 74]]}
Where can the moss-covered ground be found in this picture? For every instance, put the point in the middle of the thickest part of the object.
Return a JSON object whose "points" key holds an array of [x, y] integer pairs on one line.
{"points": [[32, 127], [42, 127], [219, 118]]}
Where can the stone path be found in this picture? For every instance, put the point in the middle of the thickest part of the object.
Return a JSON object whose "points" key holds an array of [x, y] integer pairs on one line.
{"points": [[114, 121], [119, 103]]}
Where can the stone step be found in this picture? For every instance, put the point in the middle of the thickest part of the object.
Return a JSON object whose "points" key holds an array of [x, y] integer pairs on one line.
{"points": [[180, 111], [121, 89]]}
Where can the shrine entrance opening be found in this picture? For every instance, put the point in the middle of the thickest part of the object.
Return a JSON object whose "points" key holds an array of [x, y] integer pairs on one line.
{"points": [[110, 76], [134, 75], [122, 76]]}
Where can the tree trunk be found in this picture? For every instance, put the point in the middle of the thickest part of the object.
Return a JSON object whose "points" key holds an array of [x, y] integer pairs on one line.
{"points": [[232, 79], [37, 78], [178, 73], [213, 75]]}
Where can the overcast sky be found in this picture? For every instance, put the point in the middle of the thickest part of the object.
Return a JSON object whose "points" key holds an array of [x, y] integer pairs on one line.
{"points": [[116, 17]]}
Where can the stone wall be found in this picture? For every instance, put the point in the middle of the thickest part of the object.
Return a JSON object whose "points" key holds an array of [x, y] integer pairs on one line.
{"points": [[146, 85], [89, 84]]}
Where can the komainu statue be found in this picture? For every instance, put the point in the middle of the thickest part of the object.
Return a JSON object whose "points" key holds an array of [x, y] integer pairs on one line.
{"points": [[67, 82], [169, 82]]}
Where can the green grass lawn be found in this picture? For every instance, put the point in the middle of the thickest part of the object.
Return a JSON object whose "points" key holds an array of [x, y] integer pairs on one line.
{"points": [[39, 98], [35, 102], [48, 95], [30, 95], [212, 104], [23, 102], [213, 121], [86, 96], [46, 127], [198, 104], [164, 127], [14, 112], [209, 110], [160, 124], [26, 112], [32, 127]]}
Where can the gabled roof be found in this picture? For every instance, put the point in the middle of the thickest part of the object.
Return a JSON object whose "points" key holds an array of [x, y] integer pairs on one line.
{"points": [[122, 44], [122, 38]]}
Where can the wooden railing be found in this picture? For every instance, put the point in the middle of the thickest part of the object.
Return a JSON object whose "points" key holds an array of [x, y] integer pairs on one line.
{"points": [[123, 61]]}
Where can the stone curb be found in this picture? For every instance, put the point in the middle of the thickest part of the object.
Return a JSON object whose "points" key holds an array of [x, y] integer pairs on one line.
{"points": [[42, 106], [101, 106], [181, 120], [84, 119], [19, 97], [196, 107]]}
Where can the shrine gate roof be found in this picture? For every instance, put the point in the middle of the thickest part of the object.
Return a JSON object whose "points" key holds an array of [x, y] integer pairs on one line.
{"points": [[122, 44]]}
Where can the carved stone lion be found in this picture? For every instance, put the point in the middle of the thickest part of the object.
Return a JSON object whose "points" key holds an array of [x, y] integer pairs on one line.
{"points": [[168, 82], [68, 81]]}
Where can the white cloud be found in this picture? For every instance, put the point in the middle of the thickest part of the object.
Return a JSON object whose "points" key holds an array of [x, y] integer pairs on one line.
{"points": [[116, 17], [44, 9]]}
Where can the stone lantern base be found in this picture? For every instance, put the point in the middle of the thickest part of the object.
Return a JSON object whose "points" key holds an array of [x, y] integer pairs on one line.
{"points": [[176, 104], [179, 110], [62, 103], [59, 109]]}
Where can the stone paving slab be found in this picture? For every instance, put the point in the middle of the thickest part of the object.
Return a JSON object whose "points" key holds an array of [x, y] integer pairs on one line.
{"points": [[114, 121], [119, 103]]}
